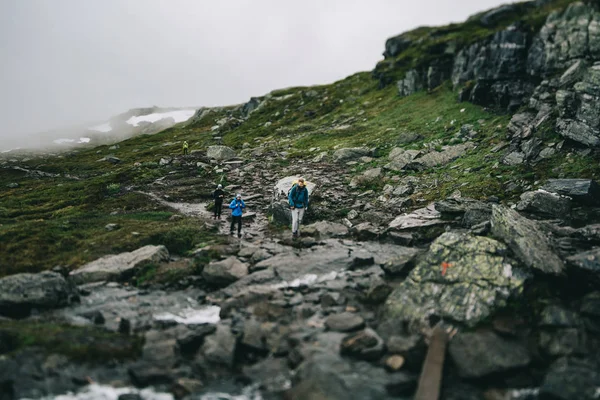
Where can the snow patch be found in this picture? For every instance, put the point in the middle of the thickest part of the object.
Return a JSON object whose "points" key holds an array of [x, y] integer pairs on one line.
{"points": [[105, 127], [178, 116], [84, 140], [190, 316], [102, 392]]}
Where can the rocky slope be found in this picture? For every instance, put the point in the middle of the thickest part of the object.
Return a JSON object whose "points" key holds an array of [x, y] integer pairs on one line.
{"points": [[429, 213]]}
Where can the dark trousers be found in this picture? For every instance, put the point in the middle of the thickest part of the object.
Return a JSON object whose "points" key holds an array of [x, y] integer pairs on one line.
{"points": [[218, 206], [185, 151], [237, 219]]}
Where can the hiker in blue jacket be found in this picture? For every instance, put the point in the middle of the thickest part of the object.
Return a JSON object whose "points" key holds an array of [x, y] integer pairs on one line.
{"points": [[237, 205], [298, 199]]}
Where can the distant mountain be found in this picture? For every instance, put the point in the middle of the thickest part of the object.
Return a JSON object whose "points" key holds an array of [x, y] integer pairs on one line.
{"points": [[134, 122]]}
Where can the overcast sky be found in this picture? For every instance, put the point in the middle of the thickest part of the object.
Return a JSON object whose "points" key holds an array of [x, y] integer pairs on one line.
{"points": [[65, 62]]}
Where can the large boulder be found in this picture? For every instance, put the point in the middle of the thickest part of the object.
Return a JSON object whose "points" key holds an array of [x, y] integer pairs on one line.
{"points": [[585, 191], [222, 273], [285, 184], [463, 278], [477, 354], [421, 218], [351, 154], [570, 379], [21, 293], [326, 375], [400, 158], [120, 267], [220, 153], [281, 213], [587, 263], [324, 229], [438, 158], [526, 239], [545, 203]]}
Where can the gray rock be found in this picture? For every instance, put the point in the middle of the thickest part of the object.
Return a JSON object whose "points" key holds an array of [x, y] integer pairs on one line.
{"points": [[464, 278], [325, 229], [222, 273], [12, 185], [514, 158], [280, 211], [325, 375], [400, 158], [345, 322], [250, 106], [479, 354], [367, 177], [189, 342], [112, 159], [545, 203], [21, 293], [411, 83], [420, 218], [497, 65], [439, 158], [569, 379], [526, 240], [220, 153], [588, 263], [584, 191], [121, 266], [396, 45], [558, 317], [577, 26], [561, 342], [165, 161], [364, 345], [401, 264], [111, 227], [351, 154], [218, 348]]}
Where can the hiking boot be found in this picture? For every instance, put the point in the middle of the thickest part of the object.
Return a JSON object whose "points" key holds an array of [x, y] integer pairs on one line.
{"points": [[231, 233], [239, 235], [294, 235]]}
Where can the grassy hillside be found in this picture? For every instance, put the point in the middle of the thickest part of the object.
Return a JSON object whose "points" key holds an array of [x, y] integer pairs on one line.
{"points": [[49, 221]]}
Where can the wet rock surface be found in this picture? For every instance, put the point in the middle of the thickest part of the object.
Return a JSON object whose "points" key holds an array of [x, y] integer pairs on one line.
{"points": [[119, 267], [22, 293]]}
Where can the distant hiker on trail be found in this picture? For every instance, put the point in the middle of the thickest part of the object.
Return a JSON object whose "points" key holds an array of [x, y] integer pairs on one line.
{"points": [[218, 196], [185, 147], [237, 205], [298, 198]]}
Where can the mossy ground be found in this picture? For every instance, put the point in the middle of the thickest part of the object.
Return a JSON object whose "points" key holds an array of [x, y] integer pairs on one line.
{"points": [[85, 344]]}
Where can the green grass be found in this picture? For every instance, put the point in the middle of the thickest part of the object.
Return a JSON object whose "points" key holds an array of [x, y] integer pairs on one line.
{"points": [[85, 344]]}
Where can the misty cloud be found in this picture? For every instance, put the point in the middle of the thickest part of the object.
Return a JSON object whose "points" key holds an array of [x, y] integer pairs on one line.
{"points": [[67, 62]]}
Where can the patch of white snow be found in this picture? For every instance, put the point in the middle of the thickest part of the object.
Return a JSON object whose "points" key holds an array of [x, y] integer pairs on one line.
{"points": [[178, 116]]}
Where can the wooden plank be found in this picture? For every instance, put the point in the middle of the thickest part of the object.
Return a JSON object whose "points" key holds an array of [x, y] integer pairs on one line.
{"points": [[431, 374]]}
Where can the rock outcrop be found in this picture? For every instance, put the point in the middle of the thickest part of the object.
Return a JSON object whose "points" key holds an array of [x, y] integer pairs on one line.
{"points": [[21, 293], [462, 278], [120, 267]]}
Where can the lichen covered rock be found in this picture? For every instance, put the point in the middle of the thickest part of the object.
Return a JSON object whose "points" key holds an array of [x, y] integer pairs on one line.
{"points": [[463, 278]]}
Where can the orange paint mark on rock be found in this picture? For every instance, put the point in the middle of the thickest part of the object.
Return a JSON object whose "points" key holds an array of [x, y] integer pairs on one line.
{"points": [[445, 267]]}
